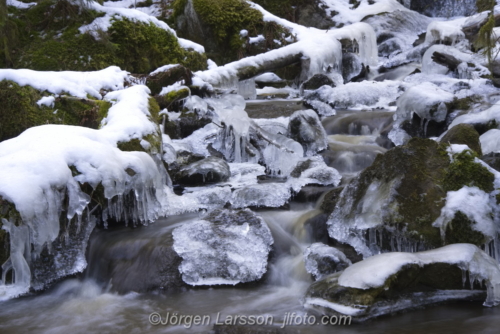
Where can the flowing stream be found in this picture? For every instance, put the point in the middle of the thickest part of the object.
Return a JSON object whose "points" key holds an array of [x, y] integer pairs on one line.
{"points": [[100, 300]]}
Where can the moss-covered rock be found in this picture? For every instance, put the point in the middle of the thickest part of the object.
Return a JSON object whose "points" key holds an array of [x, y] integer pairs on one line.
{"points": [[411, 177], [464, 171], [420, 284], [49, 40], [150, 143], [483, 5], [463, 134], [172, 99], [216, 24], [20, 110], [409, 184], [144, 47]]}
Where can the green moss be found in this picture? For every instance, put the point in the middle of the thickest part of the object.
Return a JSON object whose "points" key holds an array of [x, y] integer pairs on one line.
{"points": [[20, 111], [167, 100], [459, 230], [50, 40], [154, 139], [144, 47], [221, 23], [464, 134], [483, 5], [463, 171]]}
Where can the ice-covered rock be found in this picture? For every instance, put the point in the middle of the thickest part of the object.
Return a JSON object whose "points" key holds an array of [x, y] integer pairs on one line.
{"points": [[366, 94], [52, 169], [387, 196], [322, 260], [310, 170], [225, 247], [426, 100], [306, 128], [208, 170], [444, 33], [392, 282]]}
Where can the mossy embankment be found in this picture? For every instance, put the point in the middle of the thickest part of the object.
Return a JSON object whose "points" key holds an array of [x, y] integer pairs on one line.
{"points": [[46, 37]]}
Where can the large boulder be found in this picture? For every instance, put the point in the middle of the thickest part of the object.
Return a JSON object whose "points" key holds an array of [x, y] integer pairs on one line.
{"points": [[224, 248], [133, 261], [392, 282], [401, 195]]}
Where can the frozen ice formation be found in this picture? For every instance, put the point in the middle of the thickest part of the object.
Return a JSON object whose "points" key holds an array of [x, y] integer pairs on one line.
{"points": [[208, 170], [44, 168], [224, 247], [322, 260]]}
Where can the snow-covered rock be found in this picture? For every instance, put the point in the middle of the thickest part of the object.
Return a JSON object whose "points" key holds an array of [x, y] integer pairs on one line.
{"points": [[392, 282]]}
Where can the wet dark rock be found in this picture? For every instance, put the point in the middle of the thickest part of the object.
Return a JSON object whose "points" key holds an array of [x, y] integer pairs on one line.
{"points": [[330, 200], [351, 66], [317, 81], [208, 170], [322, 260], [463, 134], [310, 193], [140, 264], [306, 128], [185, 125]]}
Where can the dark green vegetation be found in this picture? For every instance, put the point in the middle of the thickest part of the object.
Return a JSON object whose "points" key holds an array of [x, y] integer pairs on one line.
{"points": [[46, 37], [216, 24], [20, 111]]}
